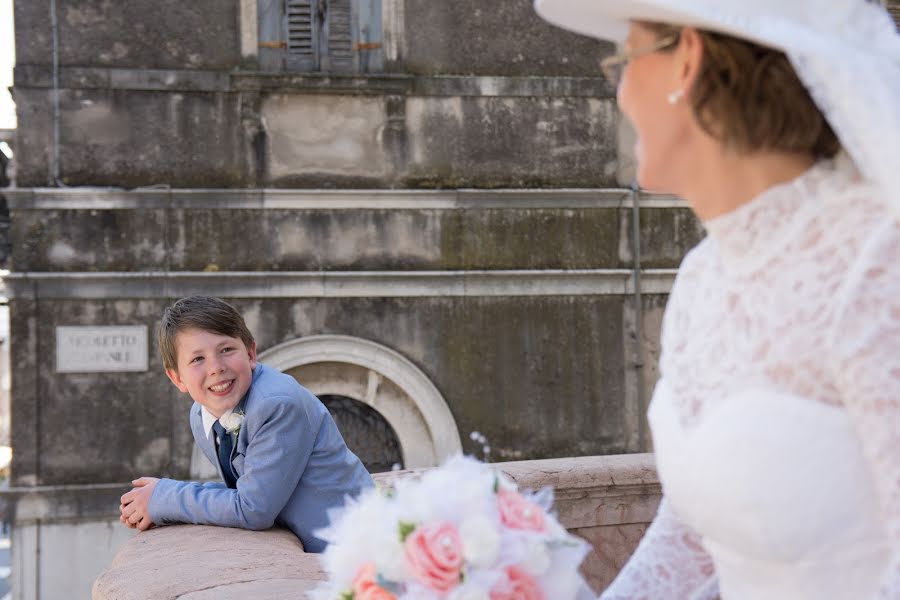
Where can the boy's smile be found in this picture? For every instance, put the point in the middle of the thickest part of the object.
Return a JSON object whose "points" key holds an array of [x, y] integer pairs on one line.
{"points": [[216, 370]]}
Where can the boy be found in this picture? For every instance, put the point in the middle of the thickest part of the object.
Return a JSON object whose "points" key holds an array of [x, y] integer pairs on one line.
{"points": [[278, 450]]}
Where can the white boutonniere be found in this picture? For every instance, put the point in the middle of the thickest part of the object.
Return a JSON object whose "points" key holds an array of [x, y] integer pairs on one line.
{"points": [[232, 422]]}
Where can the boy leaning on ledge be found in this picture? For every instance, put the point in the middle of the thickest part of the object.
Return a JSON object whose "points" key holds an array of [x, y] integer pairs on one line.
{"points": [[277, 448]]}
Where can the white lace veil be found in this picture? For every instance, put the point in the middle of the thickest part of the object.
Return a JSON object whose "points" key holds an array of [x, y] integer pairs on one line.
{"points": [[847, 53], [855, 81]]}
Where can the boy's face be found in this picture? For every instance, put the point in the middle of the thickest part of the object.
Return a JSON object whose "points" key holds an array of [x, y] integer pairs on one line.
{"points": [[216, 370]]}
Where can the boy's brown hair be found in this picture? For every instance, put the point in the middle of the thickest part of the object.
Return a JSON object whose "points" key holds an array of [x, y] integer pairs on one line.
{"points": [[198, 312]]}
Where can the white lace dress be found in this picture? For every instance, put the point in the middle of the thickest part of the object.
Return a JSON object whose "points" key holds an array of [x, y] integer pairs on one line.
{"points": [[776, 421]]}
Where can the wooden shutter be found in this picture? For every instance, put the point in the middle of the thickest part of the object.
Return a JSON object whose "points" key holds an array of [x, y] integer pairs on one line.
{"points": [[302, 32], [338, 27]]}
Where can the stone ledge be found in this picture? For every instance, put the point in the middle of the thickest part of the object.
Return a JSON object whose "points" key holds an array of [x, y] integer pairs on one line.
{"points": [[607, 500], [337, 284], [199, 562]]}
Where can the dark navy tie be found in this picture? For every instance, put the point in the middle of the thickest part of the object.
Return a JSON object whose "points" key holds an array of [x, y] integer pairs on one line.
{"points": [[226, 444]]}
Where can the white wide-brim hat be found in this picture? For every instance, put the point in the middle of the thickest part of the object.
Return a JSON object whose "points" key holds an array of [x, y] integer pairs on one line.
{"points": [[757, 20], [846, 52]]}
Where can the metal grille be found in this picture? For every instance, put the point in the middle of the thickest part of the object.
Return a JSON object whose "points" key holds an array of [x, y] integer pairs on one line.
{"points": [[366, 433]]}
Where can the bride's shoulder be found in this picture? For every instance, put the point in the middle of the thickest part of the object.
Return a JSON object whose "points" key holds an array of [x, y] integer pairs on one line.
{"points": [[869, 218], [697, 262], [870, 282], [850, 203]]}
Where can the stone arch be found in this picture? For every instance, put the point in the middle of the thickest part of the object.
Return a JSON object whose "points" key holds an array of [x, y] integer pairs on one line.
{"points": [[380, 377]]}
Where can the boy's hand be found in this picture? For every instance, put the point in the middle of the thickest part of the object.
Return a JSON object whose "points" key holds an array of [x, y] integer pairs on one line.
{"points": [[135, 504]]}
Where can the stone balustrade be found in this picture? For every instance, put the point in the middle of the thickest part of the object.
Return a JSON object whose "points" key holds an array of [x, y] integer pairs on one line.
{"points": [[607, 500]]}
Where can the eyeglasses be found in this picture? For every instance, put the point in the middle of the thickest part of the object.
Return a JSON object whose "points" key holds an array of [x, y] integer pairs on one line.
{"points": [[612, 66]]}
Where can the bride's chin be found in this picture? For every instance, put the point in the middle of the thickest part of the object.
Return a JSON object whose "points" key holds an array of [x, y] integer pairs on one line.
{"points": [[653, 177], [647, 182]]}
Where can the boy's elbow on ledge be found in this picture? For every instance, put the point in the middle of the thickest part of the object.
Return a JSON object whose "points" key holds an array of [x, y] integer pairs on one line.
{"points": [[258, 521], [256, 518]]}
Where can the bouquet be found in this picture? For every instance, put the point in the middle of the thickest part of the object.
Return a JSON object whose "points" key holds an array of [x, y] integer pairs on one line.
{"points": [[461, 532]]}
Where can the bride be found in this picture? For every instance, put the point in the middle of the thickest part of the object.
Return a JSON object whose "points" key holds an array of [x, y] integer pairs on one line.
{"points": [[776, 420]]}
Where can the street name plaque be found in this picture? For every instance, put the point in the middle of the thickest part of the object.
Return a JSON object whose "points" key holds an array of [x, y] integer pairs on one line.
{"points": [[101, 349]]}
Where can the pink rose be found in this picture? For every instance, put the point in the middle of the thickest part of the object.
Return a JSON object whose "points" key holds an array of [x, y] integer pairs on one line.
{"points": [[518, 585], [365, 586], [434, 554], [518, 513]]}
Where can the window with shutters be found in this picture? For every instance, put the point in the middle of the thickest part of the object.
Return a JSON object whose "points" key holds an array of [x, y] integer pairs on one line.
{"points": [[331, 36]]}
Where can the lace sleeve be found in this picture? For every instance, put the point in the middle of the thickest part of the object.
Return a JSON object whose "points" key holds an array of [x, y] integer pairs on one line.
{"points": [[669, 564], [867, 340]]}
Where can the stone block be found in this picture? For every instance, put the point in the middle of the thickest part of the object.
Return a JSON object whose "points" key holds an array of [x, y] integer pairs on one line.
{"points": [[505, 37], [325, 138], [666, 236], [34, 137], [25, 364], [90, 240], [133, 138], [496, 142], [130, 33]]}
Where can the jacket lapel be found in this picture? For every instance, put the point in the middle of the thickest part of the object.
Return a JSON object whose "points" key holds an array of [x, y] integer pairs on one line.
{"points": [[240, 444], [205, 442], [240, 440]]}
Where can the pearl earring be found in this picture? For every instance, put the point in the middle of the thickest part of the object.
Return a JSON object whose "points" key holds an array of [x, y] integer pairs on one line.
{"points": [[675, 96]]}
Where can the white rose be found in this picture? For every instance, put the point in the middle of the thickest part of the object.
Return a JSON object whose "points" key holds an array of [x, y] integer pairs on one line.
{"points": [[232, 421], [391, 562], [481, 541], [535, 558]]}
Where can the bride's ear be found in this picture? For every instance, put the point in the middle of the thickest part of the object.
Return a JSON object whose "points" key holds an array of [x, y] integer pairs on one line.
{"points": [[689, 60]]}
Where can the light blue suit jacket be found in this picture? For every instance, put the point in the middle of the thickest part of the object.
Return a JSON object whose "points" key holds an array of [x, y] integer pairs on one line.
{"points": [[290, 459]]}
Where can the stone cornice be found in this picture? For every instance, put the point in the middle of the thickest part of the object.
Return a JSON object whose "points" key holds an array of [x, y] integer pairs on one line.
{"points": [[90, 198], [336, 284]]}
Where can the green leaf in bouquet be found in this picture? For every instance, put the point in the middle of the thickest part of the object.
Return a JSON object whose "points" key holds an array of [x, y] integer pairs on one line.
{"points": [[405, 528], [346, 596]]}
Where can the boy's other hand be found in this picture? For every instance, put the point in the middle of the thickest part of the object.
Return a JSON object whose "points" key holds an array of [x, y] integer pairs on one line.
{"points": [[134, 507]]}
